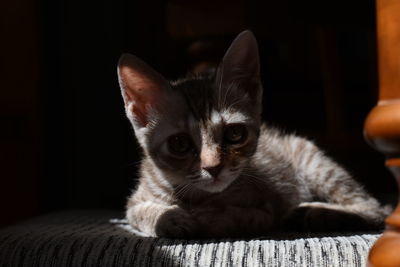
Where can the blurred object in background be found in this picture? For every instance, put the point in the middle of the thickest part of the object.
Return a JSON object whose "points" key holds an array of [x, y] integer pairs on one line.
{"points": [[21, 111]]}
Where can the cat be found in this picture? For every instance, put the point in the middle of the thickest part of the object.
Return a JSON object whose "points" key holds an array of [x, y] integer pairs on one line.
{"points": [[211, 168]]}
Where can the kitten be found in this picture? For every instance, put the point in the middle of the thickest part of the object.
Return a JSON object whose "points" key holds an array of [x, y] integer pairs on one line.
{"points": [[211, 168]]}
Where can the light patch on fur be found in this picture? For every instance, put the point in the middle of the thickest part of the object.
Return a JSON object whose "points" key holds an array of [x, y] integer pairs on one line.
{"points": [[141, 136], [216, 117], [210, 156], [234, 117], [228, 116], [148, 208], [208, 184], [129, 113]]}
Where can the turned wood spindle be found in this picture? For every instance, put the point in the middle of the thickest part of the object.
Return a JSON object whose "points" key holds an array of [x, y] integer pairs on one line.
{"points": [[382, 126]]}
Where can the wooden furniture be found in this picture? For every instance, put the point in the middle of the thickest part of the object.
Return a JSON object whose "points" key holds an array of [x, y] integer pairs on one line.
{"points": [[382, 127]]}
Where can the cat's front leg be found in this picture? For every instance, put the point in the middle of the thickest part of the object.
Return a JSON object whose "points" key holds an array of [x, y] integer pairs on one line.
{"points": [[323, 217], [233, 221], [155, 219]]}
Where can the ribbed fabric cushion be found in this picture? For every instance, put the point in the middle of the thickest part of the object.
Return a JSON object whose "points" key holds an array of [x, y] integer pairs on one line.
{"points": [[102, 238]]}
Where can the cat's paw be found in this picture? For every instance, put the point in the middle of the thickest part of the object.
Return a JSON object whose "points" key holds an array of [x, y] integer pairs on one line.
{"points": [[206, 214], [232, 222], [320, 219], [176, 223], [214, 222]]}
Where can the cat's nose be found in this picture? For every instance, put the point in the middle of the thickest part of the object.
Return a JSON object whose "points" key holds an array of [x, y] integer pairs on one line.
{"points": [[214, 170]]}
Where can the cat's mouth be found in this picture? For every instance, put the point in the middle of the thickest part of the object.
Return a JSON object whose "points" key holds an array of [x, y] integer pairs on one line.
{"points": [[216, 180], [216, 184]]}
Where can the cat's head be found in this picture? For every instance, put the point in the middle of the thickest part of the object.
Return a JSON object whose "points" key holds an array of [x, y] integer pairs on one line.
{"points": [[200, 130]]}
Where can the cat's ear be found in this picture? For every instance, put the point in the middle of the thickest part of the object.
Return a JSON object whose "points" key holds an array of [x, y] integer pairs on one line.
{"points": [[141, 86], [241, 65]]}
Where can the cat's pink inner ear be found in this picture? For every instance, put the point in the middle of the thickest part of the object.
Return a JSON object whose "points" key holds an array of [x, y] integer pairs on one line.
{"points": [[141, 87]]}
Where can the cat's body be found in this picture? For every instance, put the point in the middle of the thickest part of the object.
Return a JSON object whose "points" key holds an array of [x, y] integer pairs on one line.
{"points": [[212, 169]]}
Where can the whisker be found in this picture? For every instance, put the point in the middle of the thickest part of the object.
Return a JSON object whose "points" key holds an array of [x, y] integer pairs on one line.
{"points": [[253, 176], [236, 102], [220, 86], [228, 91], [182, 190], [193, 176], [199, 181]]}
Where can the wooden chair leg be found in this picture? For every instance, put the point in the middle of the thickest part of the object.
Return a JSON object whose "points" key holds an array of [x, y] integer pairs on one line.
{"points": [[386, 251], [382, 127]]}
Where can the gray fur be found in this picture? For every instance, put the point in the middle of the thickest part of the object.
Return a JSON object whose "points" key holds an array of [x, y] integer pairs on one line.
{"points": [[269, 180]]}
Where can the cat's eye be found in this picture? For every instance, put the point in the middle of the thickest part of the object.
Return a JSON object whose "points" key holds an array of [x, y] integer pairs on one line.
{"points": [[235, 134], [180, 144]]}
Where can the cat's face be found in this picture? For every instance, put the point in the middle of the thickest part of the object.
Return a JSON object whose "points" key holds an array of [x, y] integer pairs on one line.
{"points": [[199, 131], [208, 151]]}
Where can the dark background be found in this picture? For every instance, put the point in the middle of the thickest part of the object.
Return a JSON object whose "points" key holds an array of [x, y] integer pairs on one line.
{"points": [[64, 139]]}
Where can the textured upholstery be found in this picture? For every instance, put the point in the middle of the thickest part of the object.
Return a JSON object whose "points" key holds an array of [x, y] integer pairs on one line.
{"points": [[102, 238]]}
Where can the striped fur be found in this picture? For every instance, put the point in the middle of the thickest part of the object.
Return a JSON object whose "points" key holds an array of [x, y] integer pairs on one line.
{"points": [[267, 181]]}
